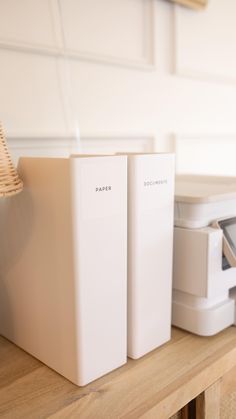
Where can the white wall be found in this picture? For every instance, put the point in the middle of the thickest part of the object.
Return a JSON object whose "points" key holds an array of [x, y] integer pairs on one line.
{"points": [[107, 75]]}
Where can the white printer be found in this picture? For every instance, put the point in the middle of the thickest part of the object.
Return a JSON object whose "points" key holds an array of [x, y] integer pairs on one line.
{"points": [[204, 279]]}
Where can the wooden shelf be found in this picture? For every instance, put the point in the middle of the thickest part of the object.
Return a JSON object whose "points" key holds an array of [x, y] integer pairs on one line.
{"points": [[156, 386]]}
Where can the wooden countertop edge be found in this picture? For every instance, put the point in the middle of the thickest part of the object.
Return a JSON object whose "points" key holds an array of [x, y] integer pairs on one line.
{"points": [[180, 392], [156, 386], [167, 401]]}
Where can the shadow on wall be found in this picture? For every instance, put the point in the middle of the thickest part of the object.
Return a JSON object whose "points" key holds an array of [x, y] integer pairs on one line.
{"points": [[16, 221]]}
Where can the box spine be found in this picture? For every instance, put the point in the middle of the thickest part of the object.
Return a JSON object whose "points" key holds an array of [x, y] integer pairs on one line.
{"points": [[150, 246], [99, 213]]}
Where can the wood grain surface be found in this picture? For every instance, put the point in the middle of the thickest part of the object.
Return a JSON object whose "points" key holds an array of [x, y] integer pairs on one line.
{"points": [[155, 386]]}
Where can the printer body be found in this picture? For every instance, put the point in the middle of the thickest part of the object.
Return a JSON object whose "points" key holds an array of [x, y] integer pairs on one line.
{"points": [[204, 284]]}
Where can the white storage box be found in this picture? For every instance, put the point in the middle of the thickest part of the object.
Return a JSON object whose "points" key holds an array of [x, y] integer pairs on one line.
{"points": [[63, 264], [199, 200], [150, 249]]}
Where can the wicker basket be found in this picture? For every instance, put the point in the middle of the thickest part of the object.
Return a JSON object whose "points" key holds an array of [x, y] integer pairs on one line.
{"points": [[10, 182]]}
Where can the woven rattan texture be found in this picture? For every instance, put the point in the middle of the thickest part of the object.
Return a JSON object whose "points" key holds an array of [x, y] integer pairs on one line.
{"points": [[10, 183]]}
